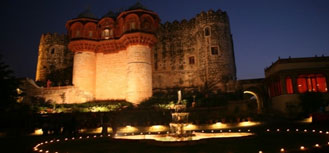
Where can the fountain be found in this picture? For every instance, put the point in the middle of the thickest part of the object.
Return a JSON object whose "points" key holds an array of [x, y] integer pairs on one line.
{"points": [[178, 130], [179, 121]]}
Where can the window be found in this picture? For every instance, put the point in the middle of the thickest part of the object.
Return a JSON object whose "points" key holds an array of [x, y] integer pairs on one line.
{"points": [[191, 60], [106, 34], [214, 50], [207, 31], [311, 83], [275, 88], [289, 86], [77, 34], [90, 34], [132, 26], [52, 51]]}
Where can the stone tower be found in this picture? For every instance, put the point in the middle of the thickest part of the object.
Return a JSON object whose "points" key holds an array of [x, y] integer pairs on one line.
{"points": [[53, 56], [191, 54], [112, 55]]}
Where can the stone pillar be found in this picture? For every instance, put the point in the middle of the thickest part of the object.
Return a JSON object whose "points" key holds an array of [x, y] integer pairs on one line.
{"points": [[84, 71], [139, 73]]}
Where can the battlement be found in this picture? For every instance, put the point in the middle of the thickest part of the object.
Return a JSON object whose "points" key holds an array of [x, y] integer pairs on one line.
{"points": [[212, 16], [204, 17], [51, 38]]}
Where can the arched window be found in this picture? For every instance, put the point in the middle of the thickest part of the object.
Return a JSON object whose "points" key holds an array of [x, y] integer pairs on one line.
{"points": [[207, 31], [90, 34], [77, 33], [107, 33], [132, 25]]}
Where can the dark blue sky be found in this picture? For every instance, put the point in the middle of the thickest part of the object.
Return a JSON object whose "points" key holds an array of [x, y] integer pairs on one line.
{"points": [[262, 30]]}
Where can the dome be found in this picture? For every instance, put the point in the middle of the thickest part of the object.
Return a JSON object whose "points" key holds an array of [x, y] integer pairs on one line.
{"points": [[87, 14], [111, 14], [138, 5]]}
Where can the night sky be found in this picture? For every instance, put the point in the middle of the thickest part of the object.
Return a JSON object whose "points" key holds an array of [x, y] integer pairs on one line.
{"points": [[262, 30]]}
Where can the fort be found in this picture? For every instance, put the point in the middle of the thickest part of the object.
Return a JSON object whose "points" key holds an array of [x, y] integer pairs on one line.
{"points": [[128, 55]]}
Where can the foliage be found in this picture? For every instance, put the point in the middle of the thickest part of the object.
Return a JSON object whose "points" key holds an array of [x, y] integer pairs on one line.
{"points": [[61, 76], [105, 106], [164, 100], [311, 102], [8, 86]]}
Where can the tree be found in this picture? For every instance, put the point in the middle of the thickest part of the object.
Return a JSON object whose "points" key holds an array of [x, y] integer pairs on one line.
{"points": [[8, 86]]}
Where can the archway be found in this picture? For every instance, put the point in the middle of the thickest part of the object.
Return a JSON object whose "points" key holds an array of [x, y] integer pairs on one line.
{"points": [[258, 100]]}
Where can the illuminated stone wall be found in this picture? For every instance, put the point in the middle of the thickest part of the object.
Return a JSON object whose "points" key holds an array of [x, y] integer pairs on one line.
{"points": [[111, 76], [84, 71], [53, 55], [139, 73], [181, 41]]}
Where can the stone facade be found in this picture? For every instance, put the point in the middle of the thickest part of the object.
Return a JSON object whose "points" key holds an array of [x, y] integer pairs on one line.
{"points": [[118, 58], [191, 53], [53, 56]]}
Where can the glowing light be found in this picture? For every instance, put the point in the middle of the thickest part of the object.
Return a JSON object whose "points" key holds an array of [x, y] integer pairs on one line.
{"points": [[268, 130], [302, 148], [229, 130], [288, 130], [217, 125], [317, 145], [305, 130], [157, 128], [278, 130], [109, 135], [190, 127], [297, 130], [248, 130], [80, 137], [307, 120], [327, 132], [259, 104], [128, 129], [37, 132], [248, 123], [87, 137], [313, 130], [260, 151], [282, 150], [320, 131], [66, 139], [197, 136]]}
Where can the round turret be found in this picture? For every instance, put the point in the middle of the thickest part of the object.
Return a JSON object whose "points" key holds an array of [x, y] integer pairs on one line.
{"points": [[130, 34]]}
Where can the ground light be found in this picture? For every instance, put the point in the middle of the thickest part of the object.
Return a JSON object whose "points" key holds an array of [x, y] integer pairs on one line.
{"points": [[37, 147]]}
